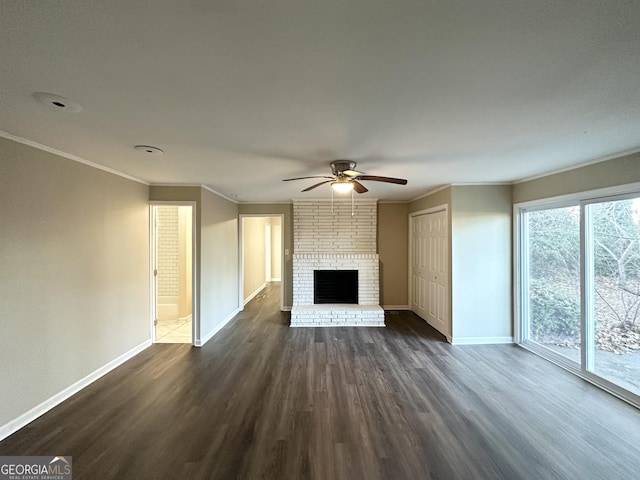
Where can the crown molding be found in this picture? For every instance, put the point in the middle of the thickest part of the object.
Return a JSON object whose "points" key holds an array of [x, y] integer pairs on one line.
{"points": [[289, 202], [69, 156], [581, 165], [481, 184], [196, 185], [222, 195], [430, 192]]}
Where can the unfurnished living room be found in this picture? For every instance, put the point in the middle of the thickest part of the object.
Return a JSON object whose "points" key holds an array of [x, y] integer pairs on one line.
{"points": [[292, 239]]}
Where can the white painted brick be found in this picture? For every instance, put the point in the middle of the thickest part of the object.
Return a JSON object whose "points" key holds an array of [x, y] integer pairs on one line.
{"points": [[335, 240], [168, 250]]}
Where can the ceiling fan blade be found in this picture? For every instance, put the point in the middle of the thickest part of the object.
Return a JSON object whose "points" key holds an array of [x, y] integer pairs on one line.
{"points": [[303, 178], [399, 181], [317, 185], [353, 173], [358, 187]]}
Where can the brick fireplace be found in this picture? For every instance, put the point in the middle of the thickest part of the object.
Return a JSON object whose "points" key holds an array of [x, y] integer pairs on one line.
{"points": [[335, 240]]}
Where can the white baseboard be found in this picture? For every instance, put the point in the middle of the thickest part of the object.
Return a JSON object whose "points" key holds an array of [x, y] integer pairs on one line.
{"points": [[395, 307], [286, 308], [480, 340], [276, 279], [28, 417], [209, 336], [258, 290]]}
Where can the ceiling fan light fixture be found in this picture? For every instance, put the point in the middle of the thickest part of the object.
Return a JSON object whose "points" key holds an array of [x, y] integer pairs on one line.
{"points": [[342, 186], [345, 179]]}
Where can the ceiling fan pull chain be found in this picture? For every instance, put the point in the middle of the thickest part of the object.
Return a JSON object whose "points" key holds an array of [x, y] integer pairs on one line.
{"points": [[332, 201], [352, 208]]}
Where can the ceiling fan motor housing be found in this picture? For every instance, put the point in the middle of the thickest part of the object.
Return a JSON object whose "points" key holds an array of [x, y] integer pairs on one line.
{"points": [[339, 166]]}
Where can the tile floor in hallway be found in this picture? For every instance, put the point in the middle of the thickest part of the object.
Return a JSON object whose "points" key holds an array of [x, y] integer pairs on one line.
{"points": [[173, 331]]}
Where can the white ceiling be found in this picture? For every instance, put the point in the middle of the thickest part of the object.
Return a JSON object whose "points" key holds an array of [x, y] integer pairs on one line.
{"points": [[243, 93]]}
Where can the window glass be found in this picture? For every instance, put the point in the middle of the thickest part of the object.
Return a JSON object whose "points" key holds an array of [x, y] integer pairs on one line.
{"points": [[553, 246], [614, 249]]}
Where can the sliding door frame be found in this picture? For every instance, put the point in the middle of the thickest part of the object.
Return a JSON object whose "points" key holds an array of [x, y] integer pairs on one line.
{"points": [[587, 319]]}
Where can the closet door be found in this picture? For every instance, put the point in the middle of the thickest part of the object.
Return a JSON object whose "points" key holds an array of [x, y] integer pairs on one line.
{"points": [[429, 269]]}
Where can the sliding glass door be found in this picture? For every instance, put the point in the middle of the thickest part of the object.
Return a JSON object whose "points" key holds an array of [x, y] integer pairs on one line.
{"points": [[613, 291], [553, 295], [579, 280]]}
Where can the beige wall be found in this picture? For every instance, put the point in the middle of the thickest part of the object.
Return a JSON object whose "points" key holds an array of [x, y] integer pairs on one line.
{"points": [[276, 247], [253, 230], [436, 199], [285, 209], [218, 263], [177, 194], [393, 228], [74, 276], [619, 171], [481, 263]]}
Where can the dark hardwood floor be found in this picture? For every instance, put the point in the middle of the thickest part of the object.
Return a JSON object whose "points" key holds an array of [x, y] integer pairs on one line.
{"points": [[262, 400]]}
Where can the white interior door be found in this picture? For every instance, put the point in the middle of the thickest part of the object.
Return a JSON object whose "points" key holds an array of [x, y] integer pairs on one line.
{"points": [[419, 269], [154, 276], [430, 269]]}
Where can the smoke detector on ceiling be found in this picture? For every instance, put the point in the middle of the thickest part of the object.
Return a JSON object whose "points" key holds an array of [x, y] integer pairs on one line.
{"points": [[57, 102], [149, 149]]}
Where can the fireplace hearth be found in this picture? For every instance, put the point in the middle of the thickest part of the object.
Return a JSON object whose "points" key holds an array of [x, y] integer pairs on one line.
{"points": [[365, 312]]}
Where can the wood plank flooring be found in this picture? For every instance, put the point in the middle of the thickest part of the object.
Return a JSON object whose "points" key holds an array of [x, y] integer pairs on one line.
{"points": [[265, 401]]}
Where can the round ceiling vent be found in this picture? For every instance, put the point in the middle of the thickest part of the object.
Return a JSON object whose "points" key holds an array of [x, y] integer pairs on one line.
{"points": [[149, 149], [57, 102]]}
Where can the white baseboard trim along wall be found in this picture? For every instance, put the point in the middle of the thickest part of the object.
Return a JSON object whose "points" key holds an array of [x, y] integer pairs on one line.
{"points": [[395, 307], [210, 335], [481, 340], [44, 407], [252, 296]]}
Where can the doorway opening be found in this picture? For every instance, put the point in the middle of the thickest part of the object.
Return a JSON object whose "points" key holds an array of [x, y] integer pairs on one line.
{"points": [[172, 273], [261, 255]]}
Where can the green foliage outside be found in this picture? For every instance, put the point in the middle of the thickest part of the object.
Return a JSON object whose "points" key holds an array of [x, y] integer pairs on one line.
{"points": [[556, 312], [554, 296]]}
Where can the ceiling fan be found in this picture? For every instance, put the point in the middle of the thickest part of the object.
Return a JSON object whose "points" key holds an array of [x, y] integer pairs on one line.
{"points": [[345, 178]]}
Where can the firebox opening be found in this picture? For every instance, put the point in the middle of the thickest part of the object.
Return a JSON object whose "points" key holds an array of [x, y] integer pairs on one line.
{"points": [[335, 286]]}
